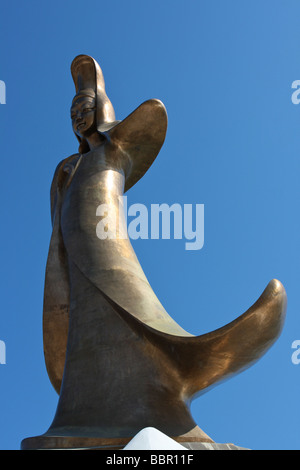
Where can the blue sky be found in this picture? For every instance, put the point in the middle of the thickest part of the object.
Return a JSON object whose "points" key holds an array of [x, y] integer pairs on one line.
{"points": [[224, 72]]}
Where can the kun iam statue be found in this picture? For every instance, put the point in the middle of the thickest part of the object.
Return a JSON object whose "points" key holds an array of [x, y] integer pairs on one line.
{"points": [[116, 358]]}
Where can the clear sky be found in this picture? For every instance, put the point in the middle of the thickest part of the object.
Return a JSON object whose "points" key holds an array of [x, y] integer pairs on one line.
{"points": [[224, 71]]}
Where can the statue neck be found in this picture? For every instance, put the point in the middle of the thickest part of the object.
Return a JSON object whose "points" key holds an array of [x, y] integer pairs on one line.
{"points": [[95, 140]]}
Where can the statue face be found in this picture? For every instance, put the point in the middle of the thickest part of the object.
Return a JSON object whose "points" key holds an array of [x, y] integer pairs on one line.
{"points": [[83, 115]]}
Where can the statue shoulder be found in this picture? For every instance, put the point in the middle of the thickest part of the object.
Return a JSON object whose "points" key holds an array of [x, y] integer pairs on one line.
{"points": [[58, 181]]}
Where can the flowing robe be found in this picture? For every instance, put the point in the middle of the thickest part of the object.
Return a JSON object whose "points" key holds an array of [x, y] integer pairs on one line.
{"points": [[117, 359]]}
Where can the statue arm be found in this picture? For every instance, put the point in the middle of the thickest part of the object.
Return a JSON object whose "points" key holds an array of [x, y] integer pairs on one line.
{"points": [[56, 291], [56, 185], [53, 193], [141, 136]]}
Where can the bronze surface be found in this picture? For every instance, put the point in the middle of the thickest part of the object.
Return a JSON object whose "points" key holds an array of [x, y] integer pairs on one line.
{"points": [[117, 359]]}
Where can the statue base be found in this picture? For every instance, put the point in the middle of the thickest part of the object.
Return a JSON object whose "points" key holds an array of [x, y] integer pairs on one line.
{"points": [[48, 441], [211, 446], [45, 442]]}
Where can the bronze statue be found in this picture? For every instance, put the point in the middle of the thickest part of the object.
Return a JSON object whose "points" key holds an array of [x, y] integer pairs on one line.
{"points": [[117, 360]]}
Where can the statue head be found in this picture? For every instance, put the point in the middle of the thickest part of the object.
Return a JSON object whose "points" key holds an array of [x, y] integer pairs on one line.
{"points": [[83, 114], [91, 110]]}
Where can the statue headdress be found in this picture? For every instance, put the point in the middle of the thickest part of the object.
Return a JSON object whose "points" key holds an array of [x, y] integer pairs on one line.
{"points": [[88, 79]]}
